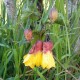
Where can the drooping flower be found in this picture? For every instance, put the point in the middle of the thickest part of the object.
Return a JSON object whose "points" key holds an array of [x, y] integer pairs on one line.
{"points": [[28, 34], [47, 56], [34, 57]]}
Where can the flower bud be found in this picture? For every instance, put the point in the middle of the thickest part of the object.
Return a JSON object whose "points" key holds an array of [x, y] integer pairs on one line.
{"points": [[53, 15], [28, 34]]}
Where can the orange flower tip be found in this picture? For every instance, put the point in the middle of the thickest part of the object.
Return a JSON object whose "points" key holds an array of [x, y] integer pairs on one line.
{"points": [[28, 34], [47, 46], [53, 15], [38, 46]]}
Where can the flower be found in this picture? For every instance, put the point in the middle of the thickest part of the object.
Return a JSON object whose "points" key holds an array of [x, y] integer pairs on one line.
{"points": [[47, 57], [34, 57], [40, 55], [28, 34]]}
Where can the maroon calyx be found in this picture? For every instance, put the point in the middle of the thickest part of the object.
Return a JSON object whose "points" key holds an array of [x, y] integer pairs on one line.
{"points": [[36, 47], [47, 46]]}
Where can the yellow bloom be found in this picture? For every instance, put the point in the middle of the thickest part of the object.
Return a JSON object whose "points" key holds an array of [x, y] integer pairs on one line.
{"points": [[33, 60], [47, 57], [28, 60], [47, 60], [40, 55], [38, 58], [34, 57]]}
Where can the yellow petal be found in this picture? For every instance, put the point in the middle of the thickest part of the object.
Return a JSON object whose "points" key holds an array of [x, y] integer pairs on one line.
{"points": [[33, 59], [38, 58], [29, 60], [47, 60], [26, 57]]}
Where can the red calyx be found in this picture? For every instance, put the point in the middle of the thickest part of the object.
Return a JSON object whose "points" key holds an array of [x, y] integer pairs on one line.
{"points": [[47, 46], [28, 34], [38, 46]]}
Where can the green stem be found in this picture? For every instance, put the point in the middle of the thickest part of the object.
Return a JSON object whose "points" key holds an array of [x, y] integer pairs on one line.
{"points": [[40, 74]]}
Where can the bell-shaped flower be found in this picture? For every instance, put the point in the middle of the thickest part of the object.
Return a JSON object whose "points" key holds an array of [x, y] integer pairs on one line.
{"points": [[47, 56], [34, 57]]}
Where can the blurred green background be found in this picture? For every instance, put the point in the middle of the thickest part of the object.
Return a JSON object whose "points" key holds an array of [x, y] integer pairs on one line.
{"points": [[18, 15]]}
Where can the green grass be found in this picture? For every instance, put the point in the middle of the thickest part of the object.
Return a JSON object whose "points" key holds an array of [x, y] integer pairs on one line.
{"points": [[13, 45]]}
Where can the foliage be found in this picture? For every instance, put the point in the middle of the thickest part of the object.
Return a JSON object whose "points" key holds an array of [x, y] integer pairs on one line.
{"points": [[63, 33]]}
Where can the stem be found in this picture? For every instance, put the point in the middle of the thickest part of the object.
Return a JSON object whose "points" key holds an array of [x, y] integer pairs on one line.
{"points": [[65, 69], [40, 74]]}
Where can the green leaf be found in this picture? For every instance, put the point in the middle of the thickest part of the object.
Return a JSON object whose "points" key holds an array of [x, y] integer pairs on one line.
{"points": [[11, 78], [39, 79]]}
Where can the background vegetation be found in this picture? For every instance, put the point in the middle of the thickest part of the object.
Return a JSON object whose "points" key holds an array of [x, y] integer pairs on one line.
{"points": [[25, 14]]}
